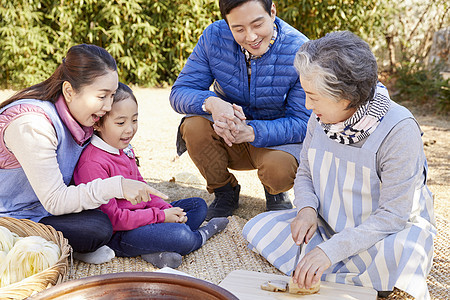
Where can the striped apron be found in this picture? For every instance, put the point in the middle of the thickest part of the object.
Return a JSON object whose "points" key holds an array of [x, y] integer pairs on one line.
{"points": [[401, 260]]}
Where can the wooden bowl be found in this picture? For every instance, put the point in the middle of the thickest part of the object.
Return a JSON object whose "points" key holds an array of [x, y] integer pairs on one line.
{"points": [[136, 285]]}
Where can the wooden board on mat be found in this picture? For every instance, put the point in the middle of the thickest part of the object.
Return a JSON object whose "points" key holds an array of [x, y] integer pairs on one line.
{"points": [[247, 285]]}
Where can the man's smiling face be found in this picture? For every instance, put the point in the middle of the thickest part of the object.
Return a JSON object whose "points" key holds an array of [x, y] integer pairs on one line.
{"points": [[252, 26]]}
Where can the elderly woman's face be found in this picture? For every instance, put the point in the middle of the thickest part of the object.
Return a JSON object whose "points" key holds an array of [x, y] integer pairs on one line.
{"points": [[327, 109]]}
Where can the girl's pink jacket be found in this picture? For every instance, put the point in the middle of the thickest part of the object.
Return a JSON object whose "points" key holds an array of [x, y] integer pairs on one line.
{"points": [[99, 160]]}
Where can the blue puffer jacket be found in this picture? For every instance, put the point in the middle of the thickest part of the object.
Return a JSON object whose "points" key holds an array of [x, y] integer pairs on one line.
{"points": [[274, 103]]}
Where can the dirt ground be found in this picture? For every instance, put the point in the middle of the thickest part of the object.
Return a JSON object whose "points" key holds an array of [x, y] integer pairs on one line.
{"points": [[178, 177]]}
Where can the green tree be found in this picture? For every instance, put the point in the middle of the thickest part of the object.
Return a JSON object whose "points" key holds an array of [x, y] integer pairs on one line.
{"points": [[152, 39], [25, 43]]}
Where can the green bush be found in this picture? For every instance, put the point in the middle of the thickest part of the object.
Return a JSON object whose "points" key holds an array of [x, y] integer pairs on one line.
{"points": [[26, 44], [416, 83], [151, 40], [180, 24], [316, 18]]}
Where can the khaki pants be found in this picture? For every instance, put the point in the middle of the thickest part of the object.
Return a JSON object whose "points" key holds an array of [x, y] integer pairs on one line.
{"points": [[276, 168]]}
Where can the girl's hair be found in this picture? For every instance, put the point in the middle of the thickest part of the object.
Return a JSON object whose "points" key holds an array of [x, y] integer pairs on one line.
{"points": [[123, 92], [227, 5], [341, 65], [82, 64]]}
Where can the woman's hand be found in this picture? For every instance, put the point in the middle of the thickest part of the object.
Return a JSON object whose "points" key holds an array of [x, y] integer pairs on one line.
{"points": [[136, 191], [175, 215], [304, 225], [310, 268], [314, 263]]}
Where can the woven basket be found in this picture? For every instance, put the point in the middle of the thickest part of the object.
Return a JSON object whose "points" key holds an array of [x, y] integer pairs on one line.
{"points": [[48, 277]]}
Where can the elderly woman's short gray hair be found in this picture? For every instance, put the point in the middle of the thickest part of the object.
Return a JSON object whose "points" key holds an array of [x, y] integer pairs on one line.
{"points": [[341, 65]]}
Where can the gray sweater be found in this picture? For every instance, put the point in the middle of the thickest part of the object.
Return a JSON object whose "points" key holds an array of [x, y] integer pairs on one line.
{"points": [[400, 161]]}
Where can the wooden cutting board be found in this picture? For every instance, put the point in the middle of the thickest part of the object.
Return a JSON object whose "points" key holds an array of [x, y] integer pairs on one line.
{"points": [[246, 285]]}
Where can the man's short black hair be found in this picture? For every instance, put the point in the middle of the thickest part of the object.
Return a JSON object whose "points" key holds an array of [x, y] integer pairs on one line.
{"points": [[227, 5]]}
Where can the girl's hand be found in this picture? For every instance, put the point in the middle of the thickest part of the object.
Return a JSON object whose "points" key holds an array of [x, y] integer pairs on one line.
{"points": [[310, 268], [304, 225], [175, 215], [136, 191], [183, 219]]}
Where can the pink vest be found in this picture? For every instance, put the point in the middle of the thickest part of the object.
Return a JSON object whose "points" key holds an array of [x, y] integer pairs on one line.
{"points": [[7, 158]]}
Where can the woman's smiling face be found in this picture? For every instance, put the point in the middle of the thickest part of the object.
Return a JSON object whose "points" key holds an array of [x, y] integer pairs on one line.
{"points": [[252, 26], [93, 101]]}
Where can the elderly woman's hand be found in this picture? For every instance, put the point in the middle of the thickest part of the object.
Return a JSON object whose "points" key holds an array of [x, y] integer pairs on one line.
{"points": [[304, 225], [310, 268]]}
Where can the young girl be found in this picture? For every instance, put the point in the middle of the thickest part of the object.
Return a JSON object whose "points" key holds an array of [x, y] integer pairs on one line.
{"points": [[43, 130], [160, 232], [363, 209]]}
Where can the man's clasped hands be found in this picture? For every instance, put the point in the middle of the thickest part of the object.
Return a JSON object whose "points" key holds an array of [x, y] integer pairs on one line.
{"points": [[229, 121]]}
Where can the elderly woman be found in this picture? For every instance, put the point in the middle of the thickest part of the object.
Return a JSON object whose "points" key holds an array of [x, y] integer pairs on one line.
{"points": [[363, 210]]}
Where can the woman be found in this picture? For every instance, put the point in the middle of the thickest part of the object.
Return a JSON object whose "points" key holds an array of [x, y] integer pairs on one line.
{"points": [[43, 130], [363, 210]]}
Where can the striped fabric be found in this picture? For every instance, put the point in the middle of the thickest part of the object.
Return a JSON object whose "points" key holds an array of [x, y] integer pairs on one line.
{"points": [[348, 188], [363, 122]]}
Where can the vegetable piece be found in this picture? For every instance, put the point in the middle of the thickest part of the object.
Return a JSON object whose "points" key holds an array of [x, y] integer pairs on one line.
{"points": [[2, 257], [6, 239], [274, 286], [28, 256], [294, 289]]}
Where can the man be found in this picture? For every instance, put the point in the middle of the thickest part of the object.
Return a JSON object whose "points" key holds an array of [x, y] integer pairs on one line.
{"points": [[255, 117]]}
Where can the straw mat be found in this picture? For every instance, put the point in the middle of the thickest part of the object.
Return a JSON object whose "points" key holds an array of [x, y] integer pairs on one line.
{"points": [[221, 254], [228, 251]]}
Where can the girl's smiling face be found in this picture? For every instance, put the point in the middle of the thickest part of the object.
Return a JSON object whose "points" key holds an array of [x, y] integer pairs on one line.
{"points": [[120, 124], [92, 101], [252, 26], [326, 108]]}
